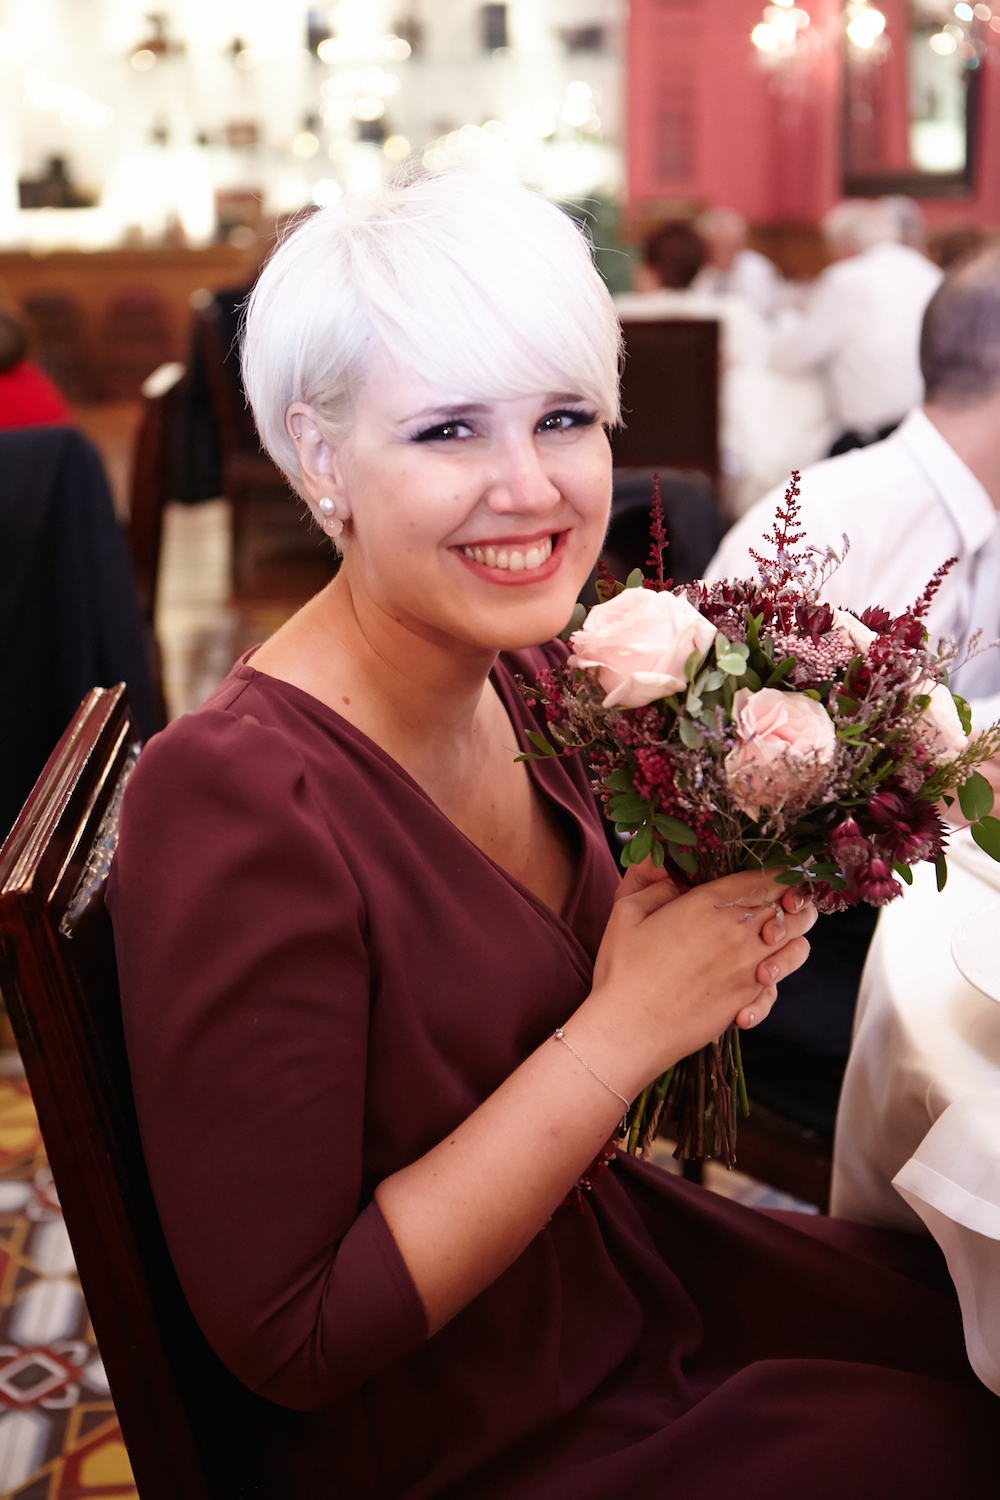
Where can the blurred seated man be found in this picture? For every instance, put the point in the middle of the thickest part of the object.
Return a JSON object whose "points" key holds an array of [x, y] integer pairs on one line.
{"points": [[861, 327], [671, 258], [28, 398], [929, 492], [731, 268]]}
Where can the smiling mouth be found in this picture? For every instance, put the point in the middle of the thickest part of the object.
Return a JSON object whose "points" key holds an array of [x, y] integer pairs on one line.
{"points": [[512, 559]]}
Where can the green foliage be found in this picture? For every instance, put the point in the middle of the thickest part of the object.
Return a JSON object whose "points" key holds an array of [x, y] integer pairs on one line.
{"points": [[574, 622], [987, 835], [964, 713], [941, 871], [903, 871], [674, 830], [975, 797], [634, 579]]}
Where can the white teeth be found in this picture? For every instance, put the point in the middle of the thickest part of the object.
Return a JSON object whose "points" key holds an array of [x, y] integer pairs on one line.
{"points": [[512, 558]]}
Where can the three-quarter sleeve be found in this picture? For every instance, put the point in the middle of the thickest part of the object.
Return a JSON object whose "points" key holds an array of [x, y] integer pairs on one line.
{"points": [[246, 992]]}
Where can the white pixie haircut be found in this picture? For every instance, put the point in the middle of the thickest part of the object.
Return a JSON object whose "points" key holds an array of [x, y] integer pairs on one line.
{"points": [[474, 283]]}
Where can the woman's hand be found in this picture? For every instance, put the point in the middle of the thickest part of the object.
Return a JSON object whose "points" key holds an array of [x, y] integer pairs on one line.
{"points": [[675, 969]]}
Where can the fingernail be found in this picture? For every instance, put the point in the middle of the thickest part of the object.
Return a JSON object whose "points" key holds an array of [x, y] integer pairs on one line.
{"points": [[773, 970], [779, 917], [752, 1018]]}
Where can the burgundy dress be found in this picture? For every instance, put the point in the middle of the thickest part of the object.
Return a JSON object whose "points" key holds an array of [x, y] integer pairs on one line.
{"points": [[321, 977]]}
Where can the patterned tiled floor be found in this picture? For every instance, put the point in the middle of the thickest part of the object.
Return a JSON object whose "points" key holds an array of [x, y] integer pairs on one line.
{"points": [[59, 1437]]}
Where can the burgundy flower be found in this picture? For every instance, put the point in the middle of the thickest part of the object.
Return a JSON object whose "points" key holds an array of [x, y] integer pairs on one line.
{"points": [[848, 844], [876, 885], [876, 618]]}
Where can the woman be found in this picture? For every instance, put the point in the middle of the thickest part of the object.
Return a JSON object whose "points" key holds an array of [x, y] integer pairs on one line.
{"points": [[349, 924]]}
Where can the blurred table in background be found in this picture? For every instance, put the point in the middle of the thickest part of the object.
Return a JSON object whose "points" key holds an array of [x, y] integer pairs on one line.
{"points": [[918, 1131]]}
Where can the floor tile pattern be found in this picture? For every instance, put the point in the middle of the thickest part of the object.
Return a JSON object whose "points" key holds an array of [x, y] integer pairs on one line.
{"points": [[59, 1437]]}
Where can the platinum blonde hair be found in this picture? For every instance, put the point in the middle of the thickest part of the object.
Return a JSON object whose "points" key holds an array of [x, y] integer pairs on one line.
{"points": [[476, 284]]}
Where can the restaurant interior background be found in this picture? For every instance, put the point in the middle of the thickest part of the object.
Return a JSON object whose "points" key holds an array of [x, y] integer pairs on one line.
{"points": [[148, 148]]}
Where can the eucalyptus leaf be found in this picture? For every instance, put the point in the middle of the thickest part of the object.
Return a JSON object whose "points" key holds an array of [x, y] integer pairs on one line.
{"points": [[714, 680], [694, 704], [691, 735], [812, 693], [574, 622], [635, 579], [987, 835], [721, 643], [731, 664], [975, 797]]}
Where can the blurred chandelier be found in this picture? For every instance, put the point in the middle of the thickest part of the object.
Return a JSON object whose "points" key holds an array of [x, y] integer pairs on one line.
{"points": [[865, 27], [779, 36]]}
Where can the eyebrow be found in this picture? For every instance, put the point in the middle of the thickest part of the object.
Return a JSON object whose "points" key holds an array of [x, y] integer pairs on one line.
{"points": [[476, 408]]}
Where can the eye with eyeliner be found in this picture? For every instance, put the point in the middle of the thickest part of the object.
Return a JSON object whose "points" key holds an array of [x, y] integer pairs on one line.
{"points": [[443, 432], [575, 418]]}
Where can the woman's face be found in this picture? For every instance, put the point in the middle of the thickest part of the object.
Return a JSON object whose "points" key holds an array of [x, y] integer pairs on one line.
{"points": [[474, 521]]}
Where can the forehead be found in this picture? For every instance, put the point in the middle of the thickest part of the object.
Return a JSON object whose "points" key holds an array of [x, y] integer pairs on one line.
{"points": [[394, 391]]}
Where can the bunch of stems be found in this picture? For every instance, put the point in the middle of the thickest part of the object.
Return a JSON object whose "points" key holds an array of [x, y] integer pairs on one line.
{"points": [[696, 1103]]}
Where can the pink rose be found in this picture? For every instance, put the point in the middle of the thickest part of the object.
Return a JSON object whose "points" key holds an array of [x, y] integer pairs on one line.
{"points": [[638, 642], [939, 726], [784, 743]]}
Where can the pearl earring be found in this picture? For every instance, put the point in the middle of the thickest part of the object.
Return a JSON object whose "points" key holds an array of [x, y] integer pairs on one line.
{"points": [[331, 524]]}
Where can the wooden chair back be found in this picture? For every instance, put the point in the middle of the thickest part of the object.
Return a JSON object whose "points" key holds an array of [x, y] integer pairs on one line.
{"points": [[184, 1418], [152, 462], [135, 339], [670, 396], [58, 342]]}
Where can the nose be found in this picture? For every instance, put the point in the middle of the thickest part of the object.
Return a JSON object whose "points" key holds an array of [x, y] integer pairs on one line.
{"points": [[519, 483]]}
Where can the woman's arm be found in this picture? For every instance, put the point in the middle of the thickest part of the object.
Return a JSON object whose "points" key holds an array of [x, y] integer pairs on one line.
{"points": [[465, 1211]]}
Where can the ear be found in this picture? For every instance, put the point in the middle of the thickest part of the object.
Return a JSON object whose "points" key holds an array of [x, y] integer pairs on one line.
{"points": [[319, 468]]}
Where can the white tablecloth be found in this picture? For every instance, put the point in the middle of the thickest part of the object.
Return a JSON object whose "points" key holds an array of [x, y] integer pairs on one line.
{"points": [[918, 1130]]}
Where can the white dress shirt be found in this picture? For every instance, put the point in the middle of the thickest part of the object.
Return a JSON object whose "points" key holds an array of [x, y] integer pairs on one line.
{"points": [[861, 330], [906, 505], [751, 275]]}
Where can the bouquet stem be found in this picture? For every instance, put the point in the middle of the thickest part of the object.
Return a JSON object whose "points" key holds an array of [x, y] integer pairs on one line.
{"points": [[695, 1102]]}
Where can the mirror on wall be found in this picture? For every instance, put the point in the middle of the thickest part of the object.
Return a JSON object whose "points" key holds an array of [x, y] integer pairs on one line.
{"points": [[911, 84]]}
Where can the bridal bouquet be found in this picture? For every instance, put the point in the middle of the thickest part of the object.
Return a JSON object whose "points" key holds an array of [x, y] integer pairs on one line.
{"points": [[746, 724]]}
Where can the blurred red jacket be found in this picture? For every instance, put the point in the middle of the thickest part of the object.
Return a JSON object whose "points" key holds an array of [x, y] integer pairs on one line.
{"points": [[28, 398]]}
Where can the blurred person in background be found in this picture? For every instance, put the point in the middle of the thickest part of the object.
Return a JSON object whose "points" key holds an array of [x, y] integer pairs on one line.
{"points": [[908, 218], [731, 268], [928, 492], [28, 398], [672, 256], [861, 327], [954, 242]]}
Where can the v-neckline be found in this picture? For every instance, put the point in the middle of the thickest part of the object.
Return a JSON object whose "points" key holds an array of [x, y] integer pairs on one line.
{"points": [[511, 700]]}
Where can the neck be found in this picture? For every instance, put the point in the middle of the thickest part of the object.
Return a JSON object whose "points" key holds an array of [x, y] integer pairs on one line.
{"points": [[974, 433], [394, 680]]}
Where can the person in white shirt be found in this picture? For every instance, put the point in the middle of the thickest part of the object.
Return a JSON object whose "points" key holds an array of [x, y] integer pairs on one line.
{"points": [[861, 327], [731, 268], [929, 492]]}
